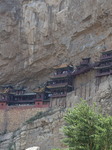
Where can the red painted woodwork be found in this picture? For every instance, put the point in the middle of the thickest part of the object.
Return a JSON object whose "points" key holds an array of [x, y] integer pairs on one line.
{"points": [[26, 107], [3, 105], [40, 96], [41, 104]]}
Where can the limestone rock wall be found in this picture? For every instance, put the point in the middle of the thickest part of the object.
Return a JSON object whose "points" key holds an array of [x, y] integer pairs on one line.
{"points": [[45, 131], [13, 117], [36, 35]]}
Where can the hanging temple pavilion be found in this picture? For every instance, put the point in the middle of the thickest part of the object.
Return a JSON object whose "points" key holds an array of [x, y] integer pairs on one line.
{"points": [[60, 83]]}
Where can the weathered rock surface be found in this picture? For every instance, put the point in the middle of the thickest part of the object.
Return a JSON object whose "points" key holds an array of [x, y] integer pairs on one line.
{"points": [[36, 35], [5, 141], [46, 130], [104, 96]]}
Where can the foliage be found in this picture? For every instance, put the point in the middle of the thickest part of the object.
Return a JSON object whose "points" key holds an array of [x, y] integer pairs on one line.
{"points": [[103, 136], [61, 149], [56, 149], [87, 130]]}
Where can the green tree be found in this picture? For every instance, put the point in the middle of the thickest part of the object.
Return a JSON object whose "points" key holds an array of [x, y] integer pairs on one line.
{"points": [[86, 129], [103, 136]]}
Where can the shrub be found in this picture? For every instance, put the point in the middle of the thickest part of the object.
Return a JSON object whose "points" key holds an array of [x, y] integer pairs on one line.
{"points": [[86, 129]]}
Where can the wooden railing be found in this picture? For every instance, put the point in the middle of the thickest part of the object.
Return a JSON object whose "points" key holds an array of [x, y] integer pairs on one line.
{"points": [[57, 85], [20, 101], [61, 75], [58, 95], [82, 70], [103, 66]]}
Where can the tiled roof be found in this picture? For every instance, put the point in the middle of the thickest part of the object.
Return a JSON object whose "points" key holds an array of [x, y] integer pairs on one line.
{"points": [[39, 90]]}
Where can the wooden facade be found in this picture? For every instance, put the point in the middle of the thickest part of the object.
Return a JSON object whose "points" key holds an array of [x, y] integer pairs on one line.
{"points": [[83, 67], [61, 81], [42, 98], [3, 100], [104, 66]]}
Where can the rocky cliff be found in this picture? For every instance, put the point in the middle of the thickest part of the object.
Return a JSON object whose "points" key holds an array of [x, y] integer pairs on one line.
{"points": [[36, 35], [44, 129]]}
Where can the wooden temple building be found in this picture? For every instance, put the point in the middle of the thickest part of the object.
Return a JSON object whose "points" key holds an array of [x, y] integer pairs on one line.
{"points": [[61, 82], [10, 96], [42, 97], [83, 67], [104, 66], [5, 91]]}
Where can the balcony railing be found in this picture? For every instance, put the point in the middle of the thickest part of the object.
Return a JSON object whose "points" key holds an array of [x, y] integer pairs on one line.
{"points": [[56, 85], [103, 66], [82, 70], [58, 95], [20, 101], [61, 75]]}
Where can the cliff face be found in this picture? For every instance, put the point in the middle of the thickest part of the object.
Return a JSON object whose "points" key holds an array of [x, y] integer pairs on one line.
{"points": [[36, 35], [45, 130]]}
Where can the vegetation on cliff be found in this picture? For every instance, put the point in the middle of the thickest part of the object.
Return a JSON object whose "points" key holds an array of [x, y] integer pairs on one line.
{"points": [[87, 129]]}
